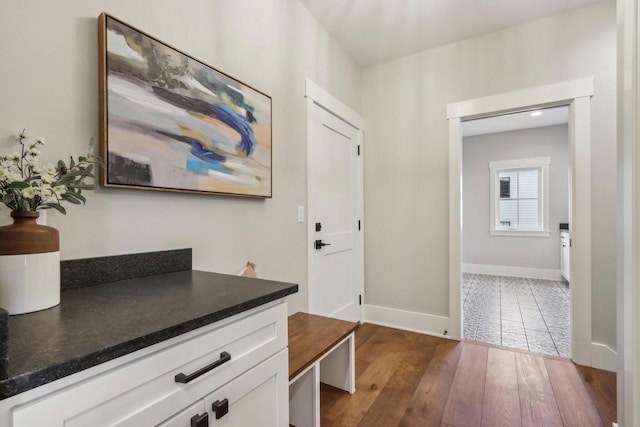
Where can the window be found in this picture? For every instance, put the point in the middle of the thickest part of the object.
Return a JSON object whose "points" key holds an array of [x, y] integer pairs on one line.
{"points": [[519, 197]]}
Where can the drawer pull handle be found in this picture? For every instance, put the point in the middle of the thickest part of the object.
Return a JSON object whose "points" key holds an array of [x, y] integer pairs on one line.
{"points": [[200, 420], [220, 408], [182, 378]]}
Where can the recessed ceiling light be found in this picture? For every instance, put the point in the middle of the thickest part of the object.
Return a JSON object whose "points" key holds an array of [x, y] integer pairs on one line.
{"points": [[536, 113]]}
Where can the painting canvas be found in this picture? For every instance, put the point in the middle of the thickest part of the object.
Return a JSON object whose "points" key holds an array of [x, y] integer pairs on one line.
{"points": [[170, 122]]}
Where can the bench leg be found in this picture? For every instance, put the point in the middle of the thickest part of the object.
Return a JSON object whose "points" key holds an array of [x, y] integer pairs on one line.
{"points": [[337, 368], [304, 399]]}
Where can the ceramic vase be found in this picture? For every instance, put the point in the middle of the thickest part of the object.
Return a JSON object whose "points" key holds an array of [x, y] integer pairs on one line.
{"points": [[29, 265]]}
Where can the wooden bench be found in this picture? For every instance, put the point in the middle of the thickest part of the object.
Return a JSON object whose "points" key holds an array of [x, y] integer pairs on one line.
{"points": [[321, 349]]}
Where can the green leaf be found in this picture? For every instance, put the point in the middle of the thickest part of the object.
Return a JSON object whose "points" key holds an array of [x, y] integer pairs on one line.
{"points": [[80, 197], [61, 164], [64, 180], [18, 185], [72, 163], [82, 185], [9, 201], [55, 206], [71, 199], [74, 172]]}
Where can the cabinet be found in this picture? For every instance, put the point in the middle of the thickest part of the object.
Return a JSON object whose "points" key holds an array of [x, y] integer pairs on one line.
{"points": [[256, 398], [232, 373], [565, 253]]}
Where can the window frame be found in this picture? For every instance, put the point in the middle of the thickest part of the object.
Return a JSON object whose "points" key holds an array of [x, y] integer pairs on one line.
{"points": [[495, 167]]}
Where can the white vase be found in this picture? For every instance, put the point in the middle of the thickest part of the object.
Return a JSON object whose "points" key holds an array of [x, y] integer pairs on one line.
{"points": [[29, 265]]}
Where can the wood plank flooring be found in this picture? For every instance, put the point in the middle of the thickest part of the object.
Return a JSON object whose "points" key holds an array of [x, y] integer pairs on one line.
{"points": [[409, 379]]}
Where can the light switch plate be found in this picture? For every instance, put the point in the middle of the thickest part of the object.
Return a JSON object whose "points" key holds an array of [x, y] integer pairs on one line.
{"points": [[300, 213]]}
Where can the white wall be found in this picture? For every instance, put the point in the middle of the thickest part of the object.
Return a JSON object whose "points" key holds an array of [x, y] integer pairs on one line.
{"points": [[49, 84], [478, 247], [406, 157]]}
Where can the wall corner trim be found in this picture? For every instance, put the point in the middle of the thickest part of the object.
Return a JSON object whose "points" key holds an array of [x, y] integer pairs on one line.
{"points": [[405, 320], [603, 357]]}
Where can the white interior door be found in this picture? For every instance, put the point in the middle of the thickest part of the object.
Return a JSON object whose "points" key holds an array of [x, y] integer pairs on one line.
{"points": [[336, 267]]}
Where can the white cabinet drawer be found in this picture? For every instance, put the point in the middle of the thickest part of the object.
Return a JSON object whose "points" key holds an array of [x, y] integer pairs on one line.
{"points": [[183, 419], [258, 398], [147, 385]]}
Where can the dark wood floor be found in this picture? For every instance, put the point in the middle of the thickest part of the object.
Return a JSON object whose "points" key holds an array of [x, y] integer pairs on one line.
{"points": [[409, 379]]}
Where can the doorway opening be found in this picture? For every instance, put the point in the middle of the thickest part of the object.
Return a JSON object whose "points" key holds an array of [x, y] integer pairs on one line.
{"points": [[577, 95], [516, 198]]}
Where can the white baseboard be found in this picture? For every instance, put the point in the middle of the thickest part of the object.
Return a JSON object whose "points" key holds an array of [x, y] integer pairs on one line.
{"points": [[507, 270], [407, 320], [603, 357]]}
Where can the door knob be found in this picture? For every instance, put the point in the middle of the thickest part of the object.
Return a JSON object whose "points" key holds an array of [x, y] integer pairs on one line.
{"points": [[318, 244]]}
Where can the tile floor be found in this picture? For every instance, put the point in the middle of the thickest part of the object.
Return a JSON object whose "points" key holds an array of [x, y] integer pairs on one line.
{"points": [[527, 314]]}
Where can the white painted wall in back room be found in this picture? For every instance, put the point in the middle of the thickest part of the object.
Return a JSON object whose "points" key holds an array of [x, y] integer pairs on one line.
{"points": [[406, 158], [49, 84], [478, 247]]}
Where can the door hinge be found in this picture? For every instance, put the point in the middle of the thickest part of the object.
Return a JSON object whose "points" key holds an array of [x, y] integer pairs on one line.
{"points": [[360, 299], [359, 225], [358, 150], [570, 241]]}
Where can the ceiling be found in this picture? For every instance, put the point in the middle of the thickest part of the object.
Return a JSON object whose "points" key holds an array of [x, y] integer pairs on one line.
{"points": [[516, 121], [374, 31]]}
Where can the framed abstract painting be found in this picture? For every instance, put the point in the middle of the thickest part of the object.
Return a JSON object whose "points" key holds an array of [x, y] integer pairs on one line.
{"points": [[169, 122]]}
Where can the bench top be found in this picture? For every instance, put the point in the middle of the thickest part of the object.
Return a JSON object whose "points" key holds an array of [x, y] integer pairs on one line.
{"points": [[311, 336]]}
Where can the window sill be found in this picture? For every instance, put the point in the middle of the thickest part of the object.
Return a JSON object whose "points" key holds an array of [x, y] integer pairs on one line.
{"points": [[520, 233]]}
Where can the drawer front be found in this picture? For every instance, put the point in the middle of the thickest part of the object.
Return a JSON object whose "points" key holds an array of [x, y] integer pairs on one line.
{"points": [[148, 385], [258, 398], [183, 419]]}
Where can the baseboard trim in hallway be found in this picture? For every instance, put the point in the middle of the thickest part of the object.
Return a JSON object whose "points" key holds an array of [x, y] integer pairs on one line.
{"points": [[603, 357], [507, 270], [407, 320]]}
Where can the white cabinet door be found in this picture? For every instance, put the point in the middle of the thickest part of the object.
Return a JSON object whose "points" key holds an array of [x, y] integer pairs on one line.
{"points": [[259, 397]]}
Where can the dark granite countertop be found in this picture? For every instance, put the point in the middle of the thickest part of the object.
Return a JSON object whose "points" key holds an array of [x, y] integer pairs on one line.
{"points": [[96, 324]]}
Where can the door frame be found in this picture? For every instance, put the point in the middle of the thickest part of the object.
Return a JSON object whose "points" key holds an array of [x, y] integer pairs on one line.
{"points": [[628, 215], [577, 95], [314, 94]]}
